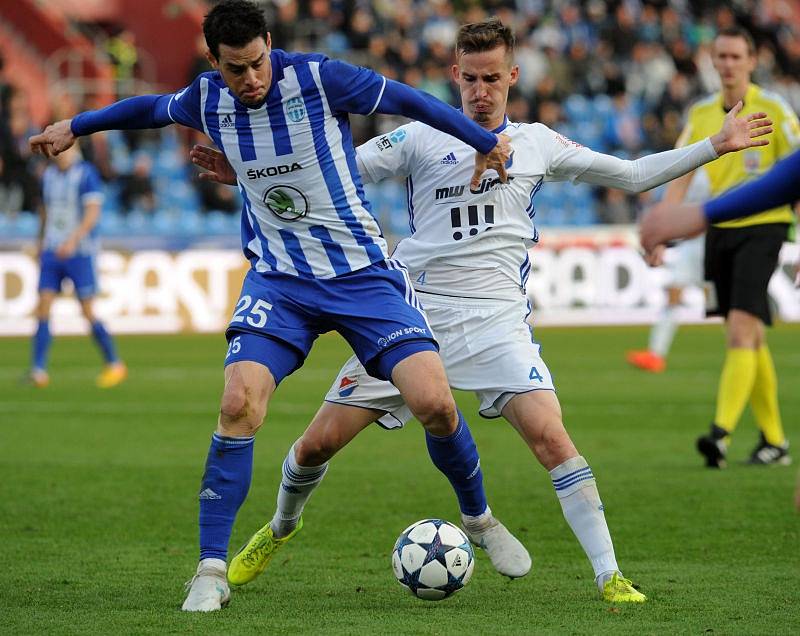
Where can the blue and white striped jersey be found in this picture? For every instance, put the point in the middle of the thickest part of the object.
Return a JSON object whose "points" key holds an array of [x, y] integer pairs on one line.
{"points": [[305, 212], [65, 192]]}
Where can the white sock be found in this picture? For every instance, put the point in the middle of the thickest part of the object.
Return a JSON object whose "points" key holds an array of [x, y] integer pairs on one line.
{"points": [[583, 510], [663, 332], [297, 484], [478, 523]]}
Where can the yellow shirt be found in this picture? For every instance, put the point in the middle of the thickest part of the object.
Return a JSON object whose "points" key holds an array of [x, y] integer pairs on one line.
{"points": [[705, 119]]}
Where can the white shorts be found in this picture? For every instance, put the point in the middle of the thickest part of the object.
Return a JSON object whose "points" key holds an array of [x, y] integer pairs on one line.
{"points": [[487, 347], [685, 263]]}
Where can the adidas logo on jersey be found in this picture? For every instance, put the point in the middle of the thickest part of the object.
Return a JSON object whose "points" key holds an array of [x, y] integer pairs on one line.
{"points": [[227, 122], [449, 159]]}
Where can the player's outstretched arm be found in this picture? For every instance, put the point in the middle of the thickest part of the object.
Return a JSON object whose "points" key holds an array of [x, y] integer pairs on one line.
{"points": [[779, 186], [644, 173], [145, 111], [216, 166]]}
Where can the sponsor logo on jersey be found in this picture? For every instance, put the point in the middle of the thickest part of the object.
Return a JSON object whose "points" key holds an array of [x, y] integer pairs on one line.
{"points": [[347, 386], [450, 192], [286, 202], [272, 171], [386, 341], [227, 122], [384, 142], [752, 161], [296, 109], [449, 159], [490, 182]]}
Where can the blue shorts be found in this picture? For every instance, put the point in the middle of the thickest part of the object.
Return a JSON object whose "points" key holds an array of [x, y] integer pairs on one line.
{"points": [[278, 317], [78, 268]]}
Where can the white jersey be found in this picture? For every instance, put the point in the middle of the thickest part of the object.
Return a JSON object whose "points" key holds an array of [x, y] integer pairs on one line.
{"points": [[470, 243]]}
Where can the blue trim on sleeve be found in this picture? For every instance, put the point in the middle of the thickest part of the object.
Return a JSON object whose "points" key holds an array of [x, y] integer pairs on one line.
{"points": [[779, 186]]}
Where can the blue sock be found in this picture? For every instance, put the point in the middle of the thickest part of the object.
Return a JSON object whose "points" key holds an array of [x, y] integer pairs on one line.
{"points": [[104, 341], [226, 481], [41, 345], [457, 457]]}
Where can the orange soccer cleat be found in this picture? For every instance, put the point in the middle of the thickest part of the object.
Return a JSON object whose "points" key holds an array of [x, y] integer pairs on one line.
{"points": [[647, 361], [112, 375]]}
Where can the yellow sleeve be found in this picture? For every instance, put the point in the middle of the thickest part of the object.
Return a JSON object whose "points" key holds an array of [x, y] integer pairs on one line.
{"points": [[787, 132]]}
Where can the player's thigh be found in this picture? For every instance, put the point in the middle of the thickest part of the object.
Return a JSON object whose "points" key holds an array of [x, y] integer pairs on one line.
{"points": [[488, 347], [333, 427], [51, 272], [718, 265], [80, 269], [536, 416], [354, 387], [378, 311], [268, 327], [422, 382]]}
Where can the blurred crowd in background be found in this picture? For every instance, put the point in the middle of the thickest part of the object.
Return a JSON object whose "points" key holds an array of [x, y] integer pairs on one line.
{"points": [[616, 76]]}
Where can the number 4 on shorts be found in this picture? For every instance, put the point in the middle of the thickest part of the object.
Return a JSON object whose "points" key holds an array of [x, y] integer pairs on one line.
{"points": [[535, 375]]}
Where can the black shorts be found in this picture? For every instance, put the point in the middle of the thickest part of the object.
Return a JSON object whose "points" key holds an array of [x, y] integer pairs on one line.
{"points": [[740, 262]]}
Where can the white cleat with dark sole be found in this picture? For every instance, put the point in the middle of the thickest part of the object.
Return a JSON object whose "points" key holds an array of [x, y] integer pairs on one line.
{"points": [[508, 556], [208, 589]]}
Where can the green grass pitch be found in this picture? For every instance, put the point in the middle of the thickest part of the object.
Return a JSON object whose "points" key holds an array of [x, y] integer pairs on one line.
{"points": [[99, 501]]}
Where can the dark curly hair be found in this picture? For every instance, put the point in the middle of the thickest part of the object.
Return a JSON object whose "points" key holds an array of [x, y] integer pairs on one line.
{"points": [[233, 23]]}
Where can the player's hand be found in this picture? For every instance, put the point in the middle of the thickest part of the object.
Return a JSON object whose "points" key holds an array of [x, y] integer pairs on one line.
{"points": [[666, 222], [738, 133], [214, 163], [55, 139], [655, 257], [496, 160], [67, 248]]}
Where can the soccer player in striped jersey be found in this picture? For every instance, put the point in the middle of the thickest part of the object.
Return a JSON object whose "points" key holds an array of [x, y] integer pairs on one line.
{"points": [[318, 258], [468, 257], [68, 245]]}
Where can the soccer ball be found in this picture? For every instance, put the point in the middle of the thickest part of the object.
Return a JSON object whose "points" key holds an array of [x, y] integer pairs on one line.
{"points": [[433, 559]]}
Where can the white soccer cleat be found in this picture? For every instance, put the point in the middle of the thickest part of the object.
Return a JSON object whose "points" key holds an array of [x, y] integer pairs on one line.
{"points": [[508, 556], [208, 589]]}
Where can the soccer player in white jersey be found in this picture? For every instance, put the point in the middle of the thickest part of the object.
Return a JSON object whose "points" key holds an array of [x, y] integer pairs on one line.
{"points": [[318, 258], [68, 244], [468, 258], [684, 265]]}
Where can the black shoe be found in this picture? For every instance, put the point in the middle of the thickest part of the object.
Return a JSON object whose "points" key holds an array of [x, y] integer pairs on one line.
{"points": [[713, 448], [765, 454]]}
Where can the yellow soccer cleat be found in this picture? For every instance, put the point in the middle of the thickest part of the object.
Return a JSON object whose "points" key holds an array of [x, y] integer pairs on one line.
{"points": [[112, 375], [256, 554], [618, 589]]}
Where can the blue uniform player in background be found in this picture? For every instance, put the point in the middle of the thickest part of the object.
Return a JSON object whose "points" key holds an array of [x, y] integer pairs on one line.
{"points": [[319, 261], [68, 244]]}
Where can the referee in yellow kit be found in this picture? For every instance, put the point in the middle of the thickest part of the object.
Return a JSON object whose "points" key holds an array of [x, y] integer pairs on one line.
{"points": [[741, 255]]}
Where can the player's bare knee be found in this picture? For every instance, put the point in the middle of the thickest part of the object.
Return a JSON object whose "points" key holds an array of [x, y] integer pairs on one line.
{"points": [[553, 446], [239, 413], [313, 450], [437, 414]]}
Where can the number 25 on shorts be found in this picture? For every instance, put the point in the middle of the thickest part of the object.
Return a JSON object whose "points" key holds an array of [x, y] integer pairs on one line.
{"points": [[257, 313]]}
